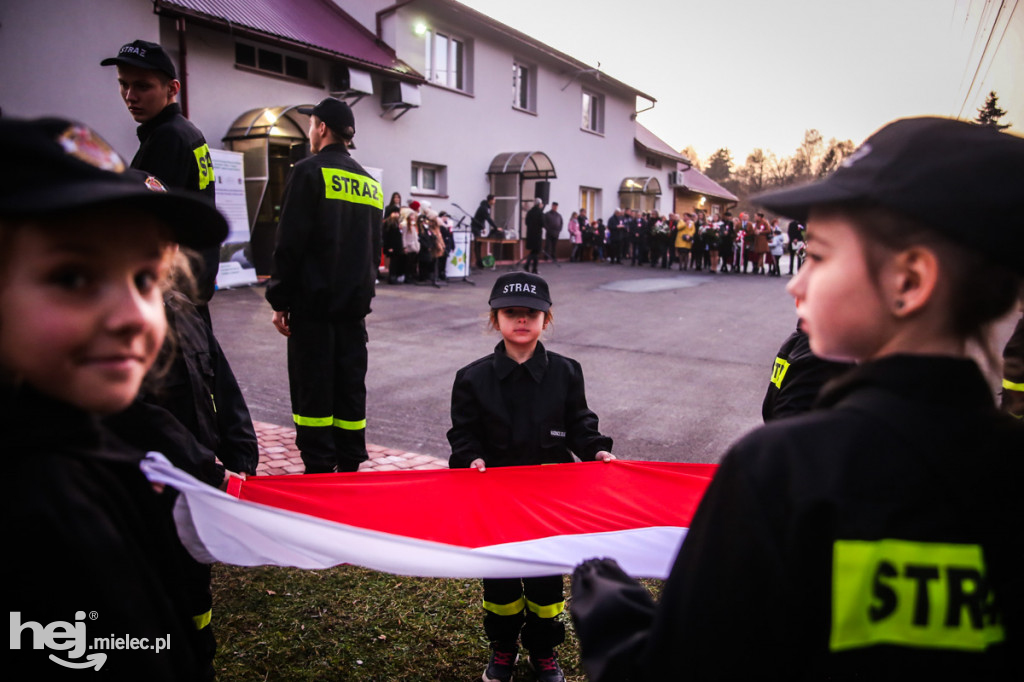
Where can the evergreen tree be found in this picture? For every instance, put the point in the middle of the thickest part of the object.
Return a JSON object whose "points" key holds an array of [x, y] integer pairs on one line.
{"points": [[719, 166], [990, 113]]}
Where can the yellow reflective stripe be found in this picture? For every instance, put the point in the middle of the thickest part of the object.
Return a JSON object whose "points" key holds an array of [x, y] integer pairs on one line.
{"points": [[349, 186], [506, 609], [205, 163], [548, 611], [312, 421], [1011, 386], [203, 619], [779, 371], [329, 421], [919, 594]]}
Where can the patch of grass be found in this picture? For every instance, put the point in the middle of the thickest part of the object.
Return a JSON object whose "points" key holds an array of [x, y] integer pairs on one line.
{"points": [[354, 624]]}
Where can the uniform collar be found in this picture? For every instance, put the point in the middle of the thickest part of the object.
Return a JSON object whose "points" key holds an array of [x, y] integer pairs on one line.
{"points": [[931, 379], [35, 422], [536, 365], [335, 147], [146, 129]]}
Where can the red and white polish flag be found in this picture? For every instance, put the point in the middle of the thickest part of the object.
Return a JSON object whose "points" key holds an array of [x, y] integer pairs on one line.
{"points": [[459, 523]]}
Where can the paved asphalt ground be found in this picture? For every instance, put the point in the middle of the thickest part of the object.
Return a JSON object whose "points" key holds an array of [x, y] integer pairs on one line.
{"points": [[676, 364]]}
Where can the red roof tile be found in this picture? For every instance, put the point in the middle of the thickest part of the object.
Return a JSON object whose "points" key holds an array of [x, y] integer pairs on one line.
{"points": [[318, 24]]}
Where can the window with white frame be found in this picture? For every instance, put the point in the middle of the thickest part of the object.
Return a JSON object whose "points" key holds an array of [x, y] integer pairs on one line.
{"points": [[524, 87], [428, 178], [593, 112], [446, 60]]}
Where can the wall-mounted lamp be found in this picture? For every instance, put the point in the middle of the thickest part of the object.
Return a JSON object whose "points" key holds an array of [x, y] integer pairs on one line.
{"points": [[419, 28]]}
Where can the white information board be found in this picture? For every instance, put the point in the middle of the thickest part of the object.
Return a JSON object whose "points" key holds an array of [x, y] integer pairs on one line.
{"points": [[230, 174]]}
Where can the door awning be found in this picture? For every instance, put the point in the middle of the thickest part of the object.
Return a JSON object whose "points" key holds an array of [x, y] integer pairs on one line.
{"points": [[528, 165], [640, 186], [281, 122]]}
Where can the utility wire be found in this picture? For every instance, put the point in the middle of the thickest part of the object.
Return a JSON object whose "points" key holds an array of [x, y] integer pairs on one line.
{"points": [[985, 51]]}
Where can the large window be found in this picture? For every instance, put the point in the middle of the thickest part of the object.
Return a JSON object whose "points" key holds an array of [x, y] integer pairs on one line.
{"points": [[593, 112], [524, 87], [427, 178], [446, 60]]}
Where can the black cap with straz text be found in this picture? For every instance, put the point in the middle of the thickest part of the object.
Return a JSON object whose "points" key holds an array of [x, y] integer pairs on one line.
{"points": [[520, 290], [965, 181], [145, 55], [53, 165]]}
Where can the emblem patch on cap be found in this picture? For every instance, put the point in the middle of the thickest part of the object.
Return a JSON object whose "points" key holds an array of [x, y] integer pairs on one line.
{"points": [[154, 184], [853, 158], [85, 145]]}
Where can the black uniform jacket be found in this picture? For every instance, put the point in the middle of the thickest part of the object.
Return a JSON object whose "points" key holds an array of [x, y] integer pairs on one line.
{"points": [[534, 228], [329, 238], [512, 414], [200, 392], [878, 539], [797, 377], [1013, 372], [175, 151], [86, 534]]}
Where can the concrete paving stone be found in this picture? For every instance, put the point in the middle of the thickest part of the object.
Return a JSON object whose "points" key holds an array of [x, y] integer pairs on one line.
{"points": [[294, 468], [386, 467], [278, 456], [273, 450]]}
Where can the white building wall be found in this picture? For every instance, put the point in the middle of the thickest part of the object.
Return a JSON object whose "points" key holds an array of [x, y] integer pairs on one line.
{"points": [[50, 54], [459, 131]]}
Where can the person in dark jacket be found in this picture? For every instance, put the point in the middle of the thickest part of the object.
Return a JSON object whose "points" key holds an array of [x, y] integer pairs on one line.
{"points": [[795, 233], [170, 146], [534, 235], [797, 377], [192, 410], [552, 228], [87, 246], [481, 219], [522, 405], [878, 536], [321, 285], [1012, 399]]}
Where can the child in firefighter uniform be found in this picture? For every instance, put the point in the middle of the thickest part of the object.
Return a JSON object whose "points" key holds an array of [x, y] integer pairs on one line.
{"points": [[87, 244], [522, 405], [877, 536]]}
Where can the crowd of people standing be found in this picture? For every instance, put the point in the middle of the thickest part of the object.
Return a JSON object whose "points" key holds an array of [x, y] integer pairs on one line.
{"points": [[418, 240], [691, 241]]}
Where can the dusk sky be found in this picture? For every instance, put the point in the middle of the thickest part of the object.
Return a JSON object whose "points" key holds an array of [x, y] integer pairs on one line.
{"points": [[758, 73]]}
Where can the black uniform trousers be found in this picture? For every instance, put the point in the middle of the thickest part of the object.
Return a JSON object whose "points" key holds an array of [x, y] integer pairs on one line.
{"points": [[327, 378], [524, 605]]}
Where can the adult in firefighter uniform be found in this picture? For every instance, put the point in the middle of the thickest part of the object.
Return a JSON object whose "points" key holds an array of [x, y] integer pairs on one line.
{"points": [[322, 281]]}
